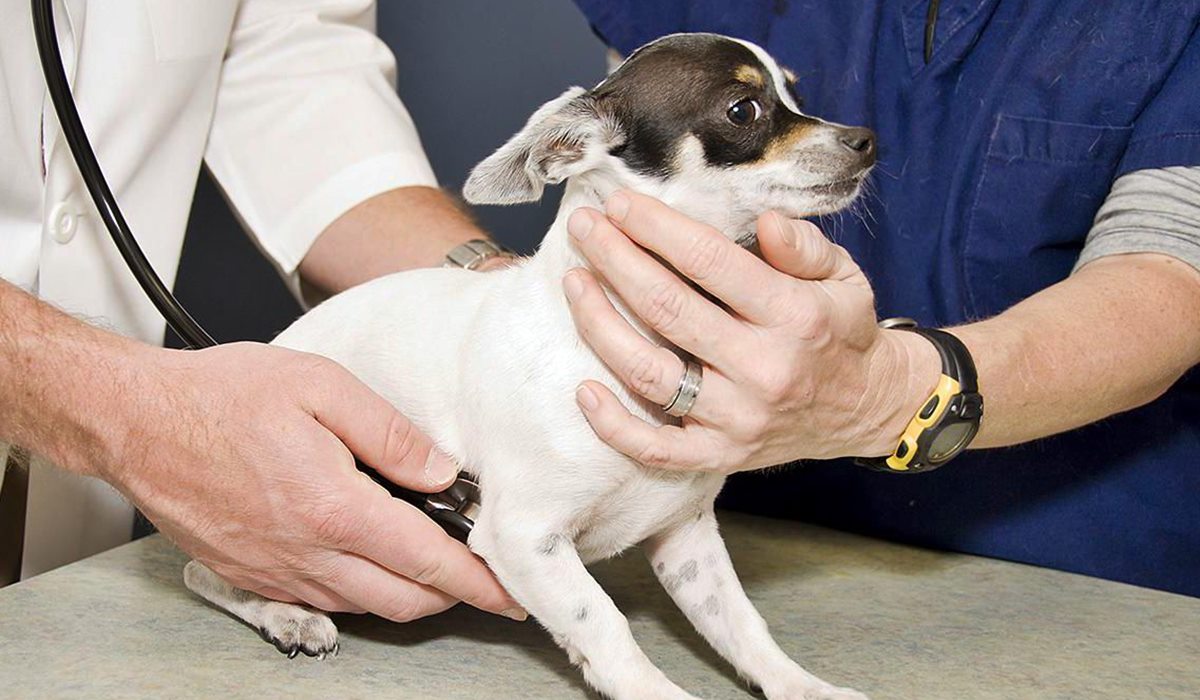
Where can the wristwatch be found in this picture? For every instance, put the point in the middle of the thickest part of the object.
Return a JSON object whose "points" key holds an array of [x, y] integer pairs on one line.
{"points": [[473, 253], [948, 420]]}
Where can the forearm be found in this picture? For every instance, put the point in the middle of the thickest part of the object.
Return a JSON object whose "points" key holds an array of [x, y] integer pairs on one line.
{"points": [[61, 381], [1112, 337], [402, 229]]}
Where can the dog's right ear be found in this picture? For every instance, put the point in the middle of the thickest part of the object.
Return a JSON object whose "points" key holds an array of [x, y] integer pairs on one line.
{"points": [[564, 137]]}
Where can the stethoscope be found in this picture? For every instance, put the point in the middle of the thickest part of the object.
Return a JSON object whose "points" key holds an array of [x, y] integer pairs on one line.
{"points": [[453, 509]]}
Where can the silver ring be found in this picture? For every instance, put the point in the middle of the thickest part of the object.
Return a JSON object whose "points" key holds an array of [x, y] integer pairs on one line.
{"points": [[689, 388]]}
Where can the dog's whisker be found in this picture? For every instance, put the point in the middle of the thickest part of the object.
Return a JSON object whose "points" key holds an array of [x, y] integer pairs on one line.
{"points": [[885, 171]]}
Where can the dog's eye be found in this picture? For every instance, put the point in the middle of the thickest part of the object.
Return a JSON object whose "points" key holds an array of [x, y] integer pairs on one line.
{"points": [[744, 112]]}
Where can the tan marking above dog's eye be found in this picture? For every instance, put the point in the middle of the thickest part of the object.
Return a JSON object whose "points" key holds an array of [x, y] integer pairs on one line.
{"points": [[750, 75]]}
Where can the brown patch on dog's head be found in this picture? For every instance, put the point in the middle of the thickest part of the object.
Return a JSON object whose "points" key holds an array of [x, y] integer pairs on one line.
{"points": [[787, 141], [708, 86], [713, 120], [728, 94], [750, 75]]}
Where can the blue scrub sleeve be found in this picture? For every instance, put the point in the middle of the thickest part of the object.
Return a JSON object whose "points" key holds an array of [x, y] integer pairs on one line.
{"points": [[1167, 133], [627, 24]]}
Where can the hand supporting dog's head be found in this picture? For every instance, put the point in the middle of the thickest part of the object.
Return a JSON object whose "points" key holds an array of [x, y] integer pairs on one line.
{"points": [[710, 125]]}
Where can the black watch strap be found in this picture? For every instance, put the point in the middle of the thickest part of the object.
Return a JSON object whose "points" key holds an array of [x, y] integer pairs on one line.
{"points": [[947, 420], [956, 358]]}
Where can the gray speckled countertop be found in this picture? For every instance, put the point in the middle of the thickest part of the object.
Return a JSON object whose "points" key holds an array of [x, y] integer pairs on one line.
{"points": [[895, 622]]}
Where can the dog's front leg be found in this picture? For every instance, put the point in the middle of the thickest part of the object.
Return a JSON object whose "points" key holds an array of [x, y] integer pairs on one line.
{"points": [[692, 563], [542, 570], [291, 628]]}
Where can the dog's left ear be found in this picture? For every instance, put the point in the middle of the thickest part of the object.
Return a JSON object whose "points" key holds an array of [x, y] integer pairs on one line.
{"points": [[565, 137]]}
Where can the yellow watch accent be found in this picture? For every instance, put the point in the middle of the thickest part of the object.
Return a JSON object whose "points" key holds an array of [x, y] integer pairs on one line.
{"points": [[946, 389]]}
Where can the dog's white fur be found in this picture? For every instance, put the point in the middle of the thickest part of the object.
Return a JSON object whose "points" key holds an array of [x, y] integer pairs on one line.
{"points": [[487, 365]]}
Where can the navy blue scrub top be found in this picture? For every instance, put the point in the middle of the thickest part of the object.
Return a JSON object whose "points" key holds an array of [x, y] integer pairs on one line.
{"points": [[994, 159]]}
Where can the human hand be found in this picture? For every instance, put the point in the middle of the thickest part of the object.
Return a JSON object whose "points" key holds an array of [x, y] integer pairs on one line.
{"points": [[794, 364], [241, 454]]}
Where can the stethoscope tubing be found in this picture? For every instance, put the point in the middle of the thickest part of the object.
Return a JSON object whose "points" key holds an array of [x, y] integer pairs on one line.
{"points": [[182, 322], [176, 316]]}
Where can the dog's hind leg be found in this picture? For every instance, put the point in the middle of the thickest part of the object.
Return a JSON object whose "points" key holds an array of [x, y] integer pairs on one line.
{"points": [[541, 568], [293, 629], [691, 561]]}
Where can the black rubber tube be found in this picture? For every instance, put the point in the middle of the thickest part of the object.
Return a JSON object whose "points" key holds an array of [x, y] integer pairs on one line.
{"points": [[177, 317], [931, 17], [106, 204]]}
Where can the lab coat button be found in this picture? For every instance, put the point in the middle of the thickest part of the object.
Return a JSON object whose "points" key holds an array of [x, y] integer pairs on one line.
{"points": [[63, 223]]}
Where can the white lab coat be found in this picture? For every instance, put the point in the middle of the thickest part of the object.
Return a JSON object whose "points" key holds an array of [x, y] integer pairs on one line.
{"points": [[291, 104]]}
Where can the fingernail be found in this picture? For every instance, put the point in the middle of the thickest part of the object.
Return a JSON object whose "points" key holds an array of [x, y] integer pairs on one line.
{"points": [[440, 470], [580, 224], [587, 398], [786, 232], [518, 613], [617, 207], [572, 285], [811, 228]]}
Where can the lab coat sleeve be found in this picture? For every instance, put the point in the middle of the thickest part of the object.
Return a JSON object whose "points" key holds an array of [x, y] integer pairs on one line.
{"points": [[307, 122]]}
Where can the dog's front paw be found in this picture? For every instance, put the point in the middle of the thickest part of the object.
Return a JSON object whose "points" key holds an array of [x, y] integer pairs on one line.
{"points": [[294, 630], [809, 690]]}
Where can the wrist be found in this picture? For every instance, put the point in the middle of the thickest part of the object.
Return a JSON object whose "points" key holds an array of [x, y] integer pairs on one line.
{"points": [[75, 385], [905, 369], [105, 404], [499, 262], [478, 255]]}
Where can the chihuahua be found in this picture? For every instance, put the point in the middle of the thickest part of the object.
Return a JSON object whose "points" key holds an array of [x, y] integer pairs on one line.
{"points": [[487, 363]]}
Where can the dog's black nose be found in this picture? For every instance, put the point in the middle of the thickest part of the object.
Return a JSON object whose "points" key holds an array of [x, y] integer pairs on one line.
{"points": [[859, 140]]}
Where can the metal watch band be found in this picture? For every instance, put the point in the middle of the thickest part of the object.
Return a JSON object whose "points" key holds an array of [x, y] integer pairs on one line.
{"points": [[473, 253]]}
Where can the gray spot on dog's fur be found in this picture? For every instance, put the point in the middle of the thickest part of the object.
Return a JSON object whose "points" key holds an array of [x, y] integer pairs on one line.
{"points": [[549, 545], [660, 567], [238, 595], [687, 573], [711, 606], [581, 613]]}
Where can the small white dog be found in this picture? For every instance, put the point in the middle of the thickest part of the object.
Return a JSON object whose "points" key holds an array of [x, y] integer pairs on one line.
{"points": [[487, 364]]}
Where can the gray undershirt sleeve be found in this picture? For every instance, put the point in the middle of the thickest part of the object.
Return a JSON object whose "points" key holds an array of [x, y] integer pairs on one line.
{"points": [[1149, 211]]}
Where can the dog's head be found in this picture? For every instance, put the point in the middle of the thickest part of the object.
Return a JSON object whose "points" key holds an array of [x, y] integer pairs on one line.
{"points": [[708, 124]]}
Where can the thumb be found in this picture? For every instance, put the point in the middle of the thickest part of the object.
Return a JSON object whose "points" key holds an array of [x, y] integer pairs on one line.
{"points": [[381, 436], [800, 249]]}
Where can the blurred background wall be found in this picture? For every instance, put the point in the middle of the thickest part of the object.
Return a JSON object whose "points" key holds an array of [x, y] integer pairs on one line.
{"points": [[470, 72]]}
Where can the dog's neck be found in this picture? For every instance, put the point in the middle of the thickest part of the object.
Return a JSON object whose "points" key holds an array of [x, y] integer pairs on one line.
{"points": [[558, 253]]}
